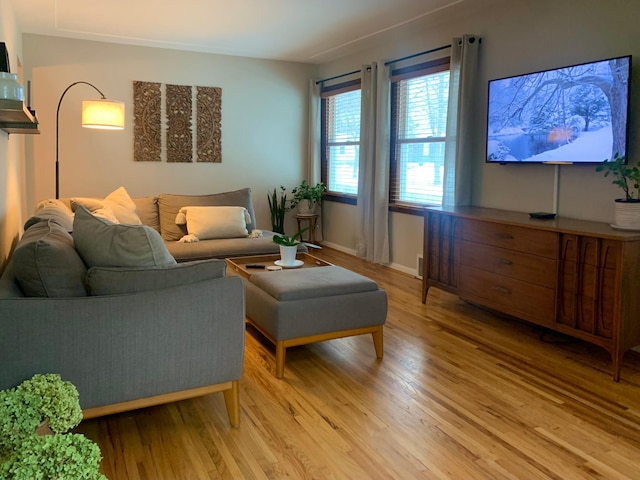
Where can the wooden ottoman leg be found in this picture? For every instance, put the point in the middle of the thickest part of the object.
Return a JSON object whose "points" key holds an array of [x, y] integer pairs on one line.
{"points": [[281, 351], [378, 342], [232, 401]]}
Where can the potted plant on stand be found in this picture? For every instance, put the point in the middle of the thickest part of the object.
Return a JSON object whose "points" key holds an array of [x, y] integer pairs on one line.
{"points": [[307, 197], [627, 209], [289, 248]]}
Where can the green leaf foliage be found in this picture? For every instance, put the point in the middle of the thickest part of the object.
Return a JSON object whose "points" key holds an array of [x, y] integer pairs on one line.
{"points": [[290, 241], [624, 176], [278, 209]]}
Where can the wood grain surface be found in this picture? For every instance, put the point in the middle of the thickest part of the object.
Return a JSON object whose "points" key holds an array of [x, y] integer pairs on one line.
{"points": [[460, 394]]}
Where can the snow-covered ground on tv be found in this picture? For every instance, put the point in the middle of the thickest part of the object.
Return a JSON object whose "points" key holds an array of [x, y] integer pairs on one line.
{"points": [[592, 146]]}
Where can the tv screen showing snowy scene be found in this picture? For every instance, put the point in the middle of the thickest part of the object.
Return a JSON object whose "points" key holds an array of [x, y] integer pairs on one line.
{"points": [[575, 114]]}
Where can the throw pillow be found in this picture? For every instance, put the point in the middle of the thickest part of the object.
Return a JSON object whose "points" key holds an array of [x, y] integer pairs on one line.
{"points": [[46, 263], [119, 280], [53, 209], [169, 205], [208, 223], [118, 201], [102, 243]]}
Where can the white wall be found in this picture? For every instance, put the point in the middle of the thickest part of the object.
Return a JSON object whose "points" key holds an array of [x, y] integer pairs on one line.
{"points": [[11, 149], [264, 121], [518, 36]]}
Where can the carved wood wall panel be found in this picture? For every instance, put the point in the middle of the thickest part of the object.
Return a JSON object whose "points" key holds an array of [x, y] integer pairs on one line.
{"points": [[146, 122], [179, 134], [208, 124]]}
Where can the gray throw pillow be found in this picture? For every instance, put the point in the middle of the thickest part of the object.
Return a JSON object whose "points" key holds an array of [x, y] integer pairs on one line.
{"points": [[46, 263], [101, 243], [119, 280]]}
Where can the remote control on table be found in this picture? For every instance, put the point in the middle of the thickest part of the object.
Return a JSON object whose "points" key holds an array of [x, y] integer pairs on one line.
{"points": [[254, 265]]}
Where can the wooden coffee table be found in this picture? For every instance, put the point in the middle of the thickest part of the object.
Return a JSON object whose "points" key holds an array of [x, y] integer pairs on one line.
{"points": [[239, 264]]}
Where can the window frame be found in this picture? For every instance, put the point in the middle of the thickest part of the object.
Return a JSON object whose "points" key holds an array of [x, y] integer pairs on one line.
{"points": [[397, 75], [325, 93]]}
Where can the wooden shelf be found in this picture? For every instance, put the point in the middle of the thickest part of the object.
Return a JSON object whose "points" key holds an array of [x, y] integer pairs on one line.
{"points": [[15, 117]]}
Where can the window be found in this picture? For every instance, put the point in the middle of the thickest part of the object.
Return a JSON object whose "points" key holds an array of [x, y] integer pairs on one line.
{"points": [[419, 97], [340, 139]]}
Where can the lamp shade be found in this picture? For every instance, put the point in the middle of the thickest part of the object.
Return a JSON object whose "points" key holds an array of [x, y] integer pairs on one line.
{"points": [[103, 113]]}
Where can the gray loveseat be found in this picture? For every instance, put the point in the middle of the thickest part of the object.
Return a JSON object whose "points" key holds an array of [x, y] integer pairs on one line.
{"points": [[132, 335]]}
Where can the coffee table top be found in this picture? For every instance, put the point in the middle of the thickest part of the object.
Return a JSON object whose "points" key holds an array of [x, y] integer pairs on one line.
{"points": [[239, 264]]}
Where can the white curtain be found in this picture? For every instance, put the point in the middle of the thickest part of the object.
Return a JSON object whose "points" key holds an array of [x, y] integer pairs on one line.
{"points": [[373, 178], [313, 174], [461, 123]]}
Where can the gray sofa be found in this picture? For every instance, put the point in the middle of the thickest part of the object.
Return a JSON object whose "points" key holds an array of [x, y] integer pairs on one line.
{"points": [[137, 331]]}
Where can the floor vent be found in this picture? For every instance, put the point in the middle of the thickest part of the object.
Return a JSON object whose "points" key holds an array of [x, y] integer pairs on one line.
{"points": [[419, 267]]}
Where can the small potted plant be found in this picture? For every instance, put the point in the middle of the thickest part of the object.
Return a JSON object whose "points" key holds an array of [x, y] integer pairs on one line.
{"points": [[306, 197], [627, 209], [289, 247], [278, 208], [34, 417]]}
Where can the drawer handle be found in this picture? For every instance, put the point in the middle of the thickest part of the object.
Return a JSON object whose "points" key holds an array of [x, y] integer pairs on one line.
{"points": [[501, 289], [504, 236], [505, 261]]}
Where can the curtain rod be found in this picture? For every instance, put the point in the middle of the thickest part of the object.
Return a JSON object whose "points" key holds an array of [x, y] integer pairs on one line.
{"points": [[386, 63], [417, 55], [337, 76]]}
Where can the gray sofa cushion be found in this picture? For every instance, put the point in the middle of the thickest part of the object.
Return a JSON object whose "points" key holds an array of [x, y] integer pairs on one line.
{"points": [[101, 243], [147, 208], [46, 263], [117, 280], [317, 282], [52, 209], [170, 204], [225, 247]]}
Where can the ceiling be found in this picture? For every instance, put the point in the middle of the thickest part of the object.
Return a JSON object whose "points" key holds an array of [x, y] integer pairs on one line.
{"points": [[310, 31]]}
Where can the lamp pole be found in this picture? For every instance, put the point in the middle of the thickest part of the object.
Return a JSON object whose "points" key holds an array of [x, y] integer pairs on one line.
{"points": [[58, 128]]}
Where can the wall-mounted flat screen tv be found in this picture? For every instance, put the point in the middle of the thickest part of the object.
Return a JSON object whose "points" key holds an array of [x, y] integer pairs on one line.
{"points": [[575, 114]]}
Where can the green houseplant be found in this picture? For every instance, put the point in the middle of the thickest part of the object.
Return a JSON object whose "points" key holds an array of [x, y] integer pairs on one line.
{"points": [[627, 178], [289, 247], [278, 208], [624, 176], [306, 196], [34, 417]]}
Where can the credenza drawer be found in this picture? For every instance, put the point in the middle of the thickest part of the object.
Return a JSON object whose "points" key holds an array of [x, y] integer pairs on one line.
{"points": [[510, 263], [509, 295], [528, 240]]}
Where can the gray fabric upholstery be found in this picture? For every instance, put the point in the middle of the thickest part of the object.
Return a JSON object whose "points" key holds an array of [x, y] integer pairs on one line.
{"points": [[124, 347], [169, 205], [147, 208], [285, 320], [118, 280], [288, 285], [101, 243], [46, 262], [225, 247]]}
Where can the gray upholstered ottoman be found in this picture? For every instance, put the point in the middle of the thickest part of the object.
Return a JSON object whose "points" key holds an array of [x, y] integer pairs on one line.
{"points": [[297, 307]]}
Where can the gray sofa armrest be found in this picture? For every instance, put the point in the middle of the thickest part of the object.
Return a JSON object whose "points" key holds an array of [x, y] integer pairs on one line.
{"points": [[119, 348]]}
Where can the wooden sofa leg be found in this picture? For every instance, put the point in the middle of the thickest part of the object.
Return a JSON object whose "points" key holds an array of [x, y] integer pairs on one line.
{"points": [[378, 342], [232, 401], [281, 351]]}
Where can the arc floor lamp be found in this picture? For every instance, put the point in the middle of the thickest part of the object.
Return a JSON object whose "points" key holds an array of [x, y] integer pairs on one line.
{"points": [[96, 113]]}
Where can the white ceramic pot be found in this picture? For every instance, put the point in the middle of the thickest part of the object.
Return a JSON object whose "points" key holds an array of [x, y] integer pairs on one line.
{"points": [[10, 89], [627, 215], [288, 254]]}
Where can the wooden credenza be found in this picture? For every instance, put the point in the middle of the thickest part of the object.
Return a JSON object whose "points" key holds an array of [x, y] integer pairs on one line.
{"points": [[576, 277]]}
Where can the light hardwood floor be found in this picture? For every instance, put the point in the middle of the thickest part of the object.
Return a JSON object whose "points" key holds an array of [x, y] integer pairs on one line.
{"points": [[460, 394]]}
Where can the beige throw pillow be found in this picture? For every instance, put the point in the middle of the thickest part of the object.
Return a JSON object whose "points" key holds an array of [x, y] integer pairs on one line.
{"points": [[207, 223], [102, 243], [118, 201]]}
